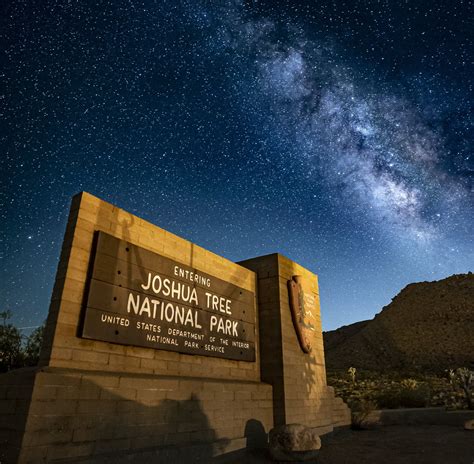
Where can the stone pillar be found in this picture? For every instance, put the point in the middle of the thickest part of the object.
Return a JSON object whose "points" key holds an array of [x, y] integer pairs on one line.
{"points": [[300, 392]]}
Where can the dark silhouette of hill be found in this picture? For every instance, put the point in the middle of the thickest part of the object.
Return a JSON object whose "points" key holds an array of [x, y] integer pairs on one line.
{"points": [[428, 325]]}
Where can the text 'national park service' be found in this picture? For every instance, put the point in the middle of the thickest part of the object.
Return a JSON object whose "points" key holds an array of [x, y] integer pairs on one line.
{"points": [[137, 297]]}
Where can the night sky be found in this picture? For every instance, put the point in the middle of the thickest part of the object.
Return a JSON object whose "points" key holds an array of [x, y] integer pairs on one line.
{"points": [[338, 133]]}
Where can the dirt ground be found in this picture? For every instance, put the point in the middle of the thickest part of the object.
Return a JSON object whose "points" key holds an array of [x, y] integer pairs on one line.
{"points": [[396, 444]]}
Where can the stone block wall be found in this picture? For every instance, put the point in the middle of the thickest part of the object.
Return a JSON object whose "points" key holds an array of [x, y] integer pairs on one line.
{"points": [[98, 402], [301, 394], [92, 400], [73, 415], [63, 347], [16, 389]]}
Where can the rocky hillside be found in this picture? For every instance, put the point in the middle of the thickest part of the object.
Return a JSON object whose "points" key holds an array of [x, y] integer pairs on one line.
{"points": [[428, 325]]}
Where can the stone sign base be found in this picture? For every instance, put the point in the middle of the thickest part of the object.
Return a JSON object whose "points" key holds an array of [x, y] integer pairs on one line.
{"points": [[56, 414], [68, 415]]}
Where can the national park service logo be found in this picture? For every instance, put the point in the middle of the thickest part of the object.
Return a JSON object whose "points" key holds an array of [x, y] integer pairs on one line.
{"points": [[300, 305]]}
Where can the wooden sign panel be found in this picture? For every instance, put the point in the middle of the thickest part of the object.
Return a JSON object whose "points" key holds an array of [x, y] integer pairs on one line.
{"points": [[137, 297]]}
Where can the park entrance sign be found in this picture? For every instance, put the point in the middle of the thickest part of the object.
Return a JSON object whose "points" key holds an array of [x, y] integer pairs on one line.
{"points": [[156, 350], [137, 297]]}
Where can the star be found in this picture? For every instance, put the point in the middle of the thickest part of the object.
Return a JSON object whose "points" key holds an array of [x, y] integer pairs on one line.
{"points": [[337, 135]]}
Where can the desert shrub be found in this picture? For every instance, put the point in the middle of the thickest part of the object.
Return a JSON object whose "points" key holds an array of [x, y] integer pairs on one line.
{"points": [[33, 347], [394, 390], [360, 411], [408, 389], [404, 395], [409, 384], [16, 350], [463, 378], [11, 355], [388, 399], [417, 397]]}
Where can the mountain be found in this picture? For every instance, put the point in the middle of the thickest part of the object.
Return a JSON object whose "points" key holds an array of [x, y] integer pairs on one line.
{"points": [[428, 325]]}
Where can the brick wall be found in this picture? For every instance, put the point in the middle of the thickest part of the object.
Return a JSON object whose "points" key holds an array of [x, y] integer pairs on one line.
{"points": [[63, 347], [15, 394], [76, 414], [301, 394], [96, 400]]}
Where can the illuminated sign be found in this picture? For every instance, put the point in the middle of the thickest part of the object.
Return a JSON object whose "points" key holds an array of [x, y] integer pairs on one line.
{"points": [[140, 298]]}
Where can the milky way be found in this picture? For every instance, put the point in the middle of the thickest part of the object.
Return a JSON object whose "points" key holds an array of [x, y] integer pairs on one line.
{"points": [[374, 144], [336, 133]]}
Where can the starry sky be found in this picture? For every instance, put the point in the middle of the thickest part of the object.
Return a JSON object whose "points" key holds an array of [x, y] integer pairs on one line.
{"points": [[338, 133]]}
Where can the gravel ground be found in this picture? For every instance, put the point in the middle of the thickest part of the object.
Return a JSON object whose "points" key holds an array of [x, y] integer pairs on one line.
{"points": [[396, 444]]}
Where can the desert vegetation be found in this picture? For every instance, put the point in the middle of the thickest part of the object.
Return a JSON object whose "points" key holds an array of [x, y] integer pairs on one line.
{"points": [[17, 350], [365, 390]]}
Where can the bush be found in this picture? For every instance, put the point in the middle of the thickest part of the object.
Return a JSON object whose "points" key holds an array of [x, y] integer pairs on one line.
{"points": [[463, 378], [409, 384], [360, 411], [418, 397], [11, 355], [391, 391], [403, 397], [16, 350], [33, 346]]}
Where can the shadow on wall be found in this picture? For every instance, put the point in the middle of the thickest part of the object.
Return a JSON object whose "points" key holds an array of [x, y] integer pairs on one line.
{"points": [[16, 387], [312, 378], [308, 373], [311, 364], [94, 424], [308, 401], [134, 273]]}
